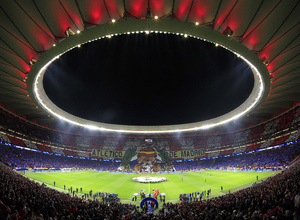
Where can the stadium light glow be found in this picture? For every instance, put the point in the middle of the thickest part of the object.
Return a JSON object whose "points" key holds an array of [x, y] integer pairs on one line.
{"points": [[32, 61], [228, 31], [69, 32], [252, 101]]}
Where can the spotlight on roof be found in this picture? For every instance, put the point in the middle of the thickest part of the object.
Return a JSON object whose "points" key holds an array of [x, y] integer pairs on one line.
{"points": [[227, 31], [69, 32], [155, 17], [32, 61], [264, 60]]}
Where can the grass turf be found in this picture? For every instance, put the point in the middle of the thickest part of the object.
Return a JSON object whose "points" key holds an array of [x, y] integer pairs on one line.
{"points": [[176, 184]]}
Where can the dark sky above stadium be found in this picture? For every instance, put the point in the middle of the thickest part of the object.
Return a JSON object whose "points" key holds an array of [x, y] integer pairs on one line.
{"points": [[154, 79]]}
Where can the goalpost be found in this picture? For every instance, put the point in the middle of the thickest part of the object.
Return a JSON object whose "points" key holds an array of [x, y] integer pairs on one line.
{"points": [[66, 169]]}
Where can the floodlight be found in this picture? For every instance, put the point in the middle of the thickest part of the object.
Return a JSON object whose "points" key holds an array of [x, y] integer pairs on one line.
{"points": [[227, 31], [32, 61], [69, 32], [264, 60]]}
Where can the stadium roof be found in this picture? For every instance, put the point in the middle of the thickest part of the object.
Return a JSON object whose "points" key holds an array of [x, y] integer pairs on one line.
{"points": [[270, 29]]}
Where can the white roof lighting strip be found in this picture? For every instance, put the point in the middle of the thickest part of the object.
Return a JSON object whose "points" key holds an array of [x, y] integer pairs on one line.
{"points": [[251, 102]]}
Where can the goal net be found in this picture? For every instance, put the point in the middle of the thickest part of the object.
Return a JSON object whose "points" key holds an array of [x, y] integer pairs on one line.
{"points": [[65, 169]]}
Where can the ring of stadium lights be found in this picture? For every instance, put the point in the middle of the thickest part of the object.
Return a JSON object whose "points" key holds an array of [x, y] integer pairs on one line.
{"points": [[148, 26]]}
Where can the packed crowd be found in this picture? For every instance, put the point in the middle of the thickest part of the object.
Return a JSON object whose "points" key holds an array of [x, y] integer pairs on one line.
{"points": [[15, 157], [22, 128], [277, 196], [273, 158], [22, 198]]}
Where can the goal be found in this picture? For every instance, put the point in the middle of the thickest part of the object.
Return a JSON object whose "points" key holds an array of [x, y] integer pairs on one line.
{"points": [[65, 169]]}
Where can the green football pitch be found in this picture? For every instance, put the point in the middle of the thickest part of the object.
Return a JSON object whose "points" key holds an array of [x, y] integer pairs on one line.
{"points": [[176, 184]]}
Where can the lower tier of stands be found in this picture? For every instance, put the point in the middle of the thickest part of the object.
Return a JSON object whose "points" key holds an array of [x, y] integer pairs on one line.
{"points": [[16, 157], [273, 158], [278, 196]]}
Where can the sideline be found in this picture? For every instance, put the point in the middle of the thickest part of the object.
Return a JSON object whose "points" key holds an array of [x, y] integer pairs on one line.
{"points": [[50, 186], [126, 201]]}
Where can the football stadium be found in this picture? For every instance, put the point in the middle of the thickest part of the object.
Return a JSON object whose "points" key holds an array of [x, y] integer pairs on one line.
{"points": [[149, 109]]}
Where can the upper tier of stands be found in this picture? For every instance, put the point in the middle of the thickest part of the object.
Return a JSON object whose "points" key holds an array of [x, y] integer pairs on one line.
{"points": [[279, 130]]}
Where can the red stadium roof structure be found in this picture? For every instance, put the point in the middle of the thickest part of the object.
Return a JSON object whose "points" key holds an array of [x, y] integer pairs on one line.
{"points": [[265, 33]]}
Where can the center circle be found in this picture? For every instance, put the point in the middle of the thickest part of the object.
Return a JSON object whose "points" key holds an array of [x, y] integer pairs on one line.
{"points": [[155, 79], [149, 179]]}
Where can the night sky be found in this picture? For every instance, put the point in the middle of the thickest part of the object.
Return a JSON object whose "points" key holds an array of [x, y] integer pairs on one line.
{"points": [[154, 79]]}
